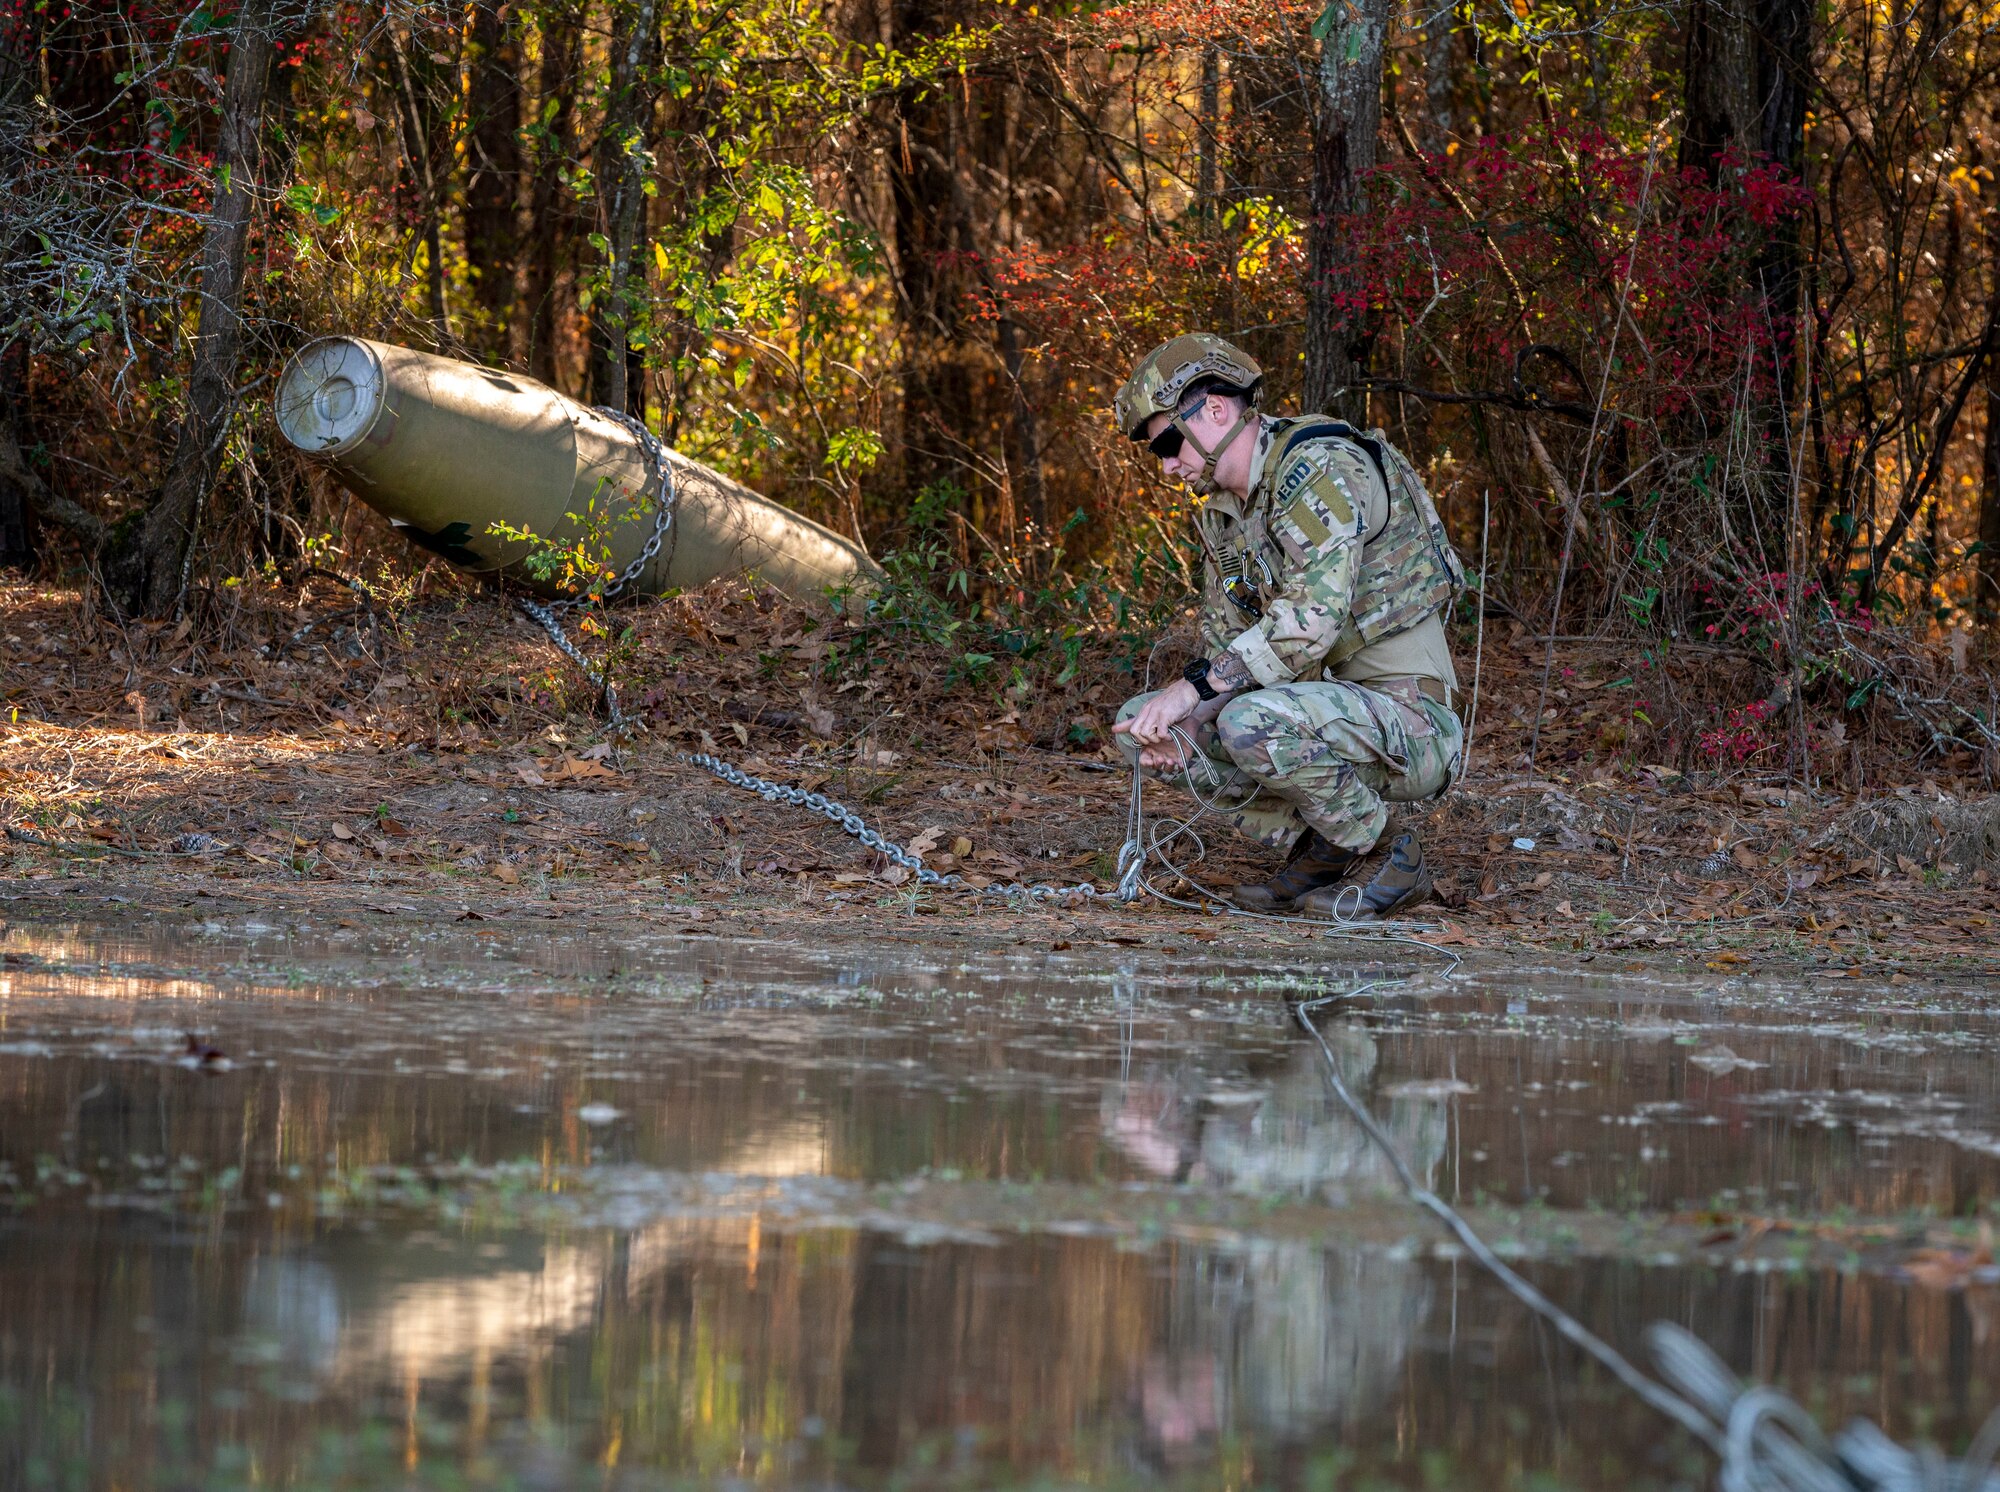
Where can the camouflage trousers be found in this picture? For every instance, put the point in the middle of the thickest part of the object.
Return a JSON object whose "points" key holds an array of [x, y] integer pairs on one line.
{"points": [[1328, 756]]}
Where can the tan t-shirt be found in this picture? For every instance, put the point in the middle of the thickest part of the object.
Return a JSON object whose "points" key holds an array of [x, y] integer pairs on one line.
{"points": [[1424, 651]]}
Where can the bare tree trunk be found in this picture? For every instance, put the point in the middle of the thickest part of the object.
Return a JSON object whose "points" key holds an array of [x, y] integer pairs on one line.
{"points": [[549, 230], [494, 169], [18, 484], [1719, 86], [425, 132], [167, 534], [1208, 210], [937, 392], [1027, 453], [1437, 124], [1745, 103], [1348, 113], [20, 48], [1986, 582], [624, 156]]}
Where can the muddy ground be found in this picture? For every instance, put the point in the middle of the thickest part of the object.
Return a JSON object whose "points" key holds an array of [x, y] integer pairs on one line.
{"points": [[442, 760]]}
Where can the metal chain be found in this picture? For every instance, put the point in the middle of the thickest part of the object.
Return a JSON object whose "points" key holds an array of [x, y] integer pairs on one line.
{"points": [[852, 823], [548, 614]]}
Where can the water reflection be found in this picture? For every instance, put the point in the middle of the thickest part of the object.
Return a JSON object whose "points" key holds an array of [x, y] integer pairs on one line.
{"points": [[1270, 1126], [148, 1358], [282, 1333]]}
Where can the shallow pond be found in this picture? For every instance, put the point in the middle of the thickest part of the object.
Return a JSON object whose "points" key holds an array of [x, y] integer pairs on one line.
{"points": [[477, 1205]]}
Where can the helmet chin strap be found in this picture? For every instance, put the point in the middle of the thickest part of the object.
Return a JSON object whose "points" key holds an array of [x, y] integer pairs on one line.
{"points": [[1204, 485]]}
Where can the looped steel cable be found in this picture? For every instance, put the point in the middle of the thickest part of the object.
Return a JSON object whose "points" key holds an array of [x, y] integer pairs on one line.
{"points": [[1764, 1439]]}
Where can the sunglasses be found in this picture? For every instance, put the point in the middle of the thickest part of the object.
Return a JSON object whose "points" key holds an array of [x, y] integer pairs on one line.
{"points": [[1167, 444]]}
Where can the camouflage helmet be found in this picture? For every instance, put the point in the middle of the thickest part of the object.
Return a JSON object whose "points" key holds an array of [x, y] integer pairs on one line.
{"points": [[1163, 376]]}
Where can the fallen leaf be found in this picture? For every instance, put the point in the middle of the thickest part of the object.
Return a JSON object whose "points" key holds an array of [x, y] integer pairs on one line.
{"points": [[341, 831], [818, 717], [1006, 732], [926, 841], [505, 872]]}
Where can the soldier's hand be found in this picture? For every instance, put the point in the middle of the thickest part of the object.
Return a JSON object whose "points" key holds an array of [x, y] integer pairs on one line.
{"points": [[1152, 725]]}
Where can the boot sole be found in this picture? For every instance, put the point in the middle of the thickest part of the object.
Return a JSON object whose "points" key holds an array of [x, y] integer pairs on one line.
{"points": [[1258, 901]]}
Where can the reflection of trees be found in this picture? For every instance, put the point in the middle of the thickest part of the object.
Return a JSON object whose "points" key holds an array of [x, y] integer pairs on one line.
{"points": [[715, 1351]]}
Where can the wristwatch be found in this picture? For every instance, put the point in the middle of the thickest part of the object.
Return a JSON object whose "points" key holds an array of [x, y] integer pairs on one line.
{"points": [[1196, 673]]}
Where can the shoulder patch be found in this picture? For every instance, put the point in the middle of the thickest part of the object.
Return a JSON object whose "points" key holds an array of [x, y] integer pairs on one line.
{"points": [[1298, 470], [1314, 518], [1308, 520]]}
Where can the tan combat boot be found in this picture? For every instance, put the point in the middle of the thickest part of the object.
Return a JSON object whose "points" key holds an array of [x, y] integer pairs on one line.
{"points": [[1403, 882], [1314, 863]]}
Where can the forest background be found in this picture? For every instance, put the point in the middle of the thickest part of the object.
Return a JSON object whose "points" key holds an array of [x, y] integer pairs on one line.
{"points": [[1688, 311]]}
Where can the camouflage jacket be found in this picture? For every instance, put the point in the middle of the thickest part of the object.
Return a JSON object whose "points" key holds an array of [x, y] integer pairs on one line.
{"points": [[1330, 552]]}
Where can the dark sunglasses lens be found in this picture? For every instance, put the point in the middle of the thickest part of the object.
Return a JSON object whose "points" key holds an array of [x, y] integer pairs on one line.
{"points": [[1167, 444]]}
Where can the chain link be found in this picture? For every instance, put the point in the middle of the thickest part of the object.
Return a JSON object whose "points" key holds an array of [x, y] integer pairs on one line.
{"points": [[852, 823], [549, 614]]}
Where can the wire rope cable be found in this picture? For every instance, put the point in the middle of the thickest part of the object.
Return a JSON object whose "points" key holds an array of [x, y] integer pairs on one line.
{"points": [[1765, 1441]]}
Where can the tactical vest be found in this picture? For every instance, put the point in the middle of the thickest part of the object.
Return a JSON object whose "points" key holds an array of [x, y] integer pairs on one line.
{"points": [[1409, 571]]}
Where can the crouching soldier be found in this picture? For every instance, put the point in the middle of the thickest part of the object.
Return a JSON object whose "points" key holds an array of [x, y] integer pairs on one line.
{"points": [[1325, 689]]}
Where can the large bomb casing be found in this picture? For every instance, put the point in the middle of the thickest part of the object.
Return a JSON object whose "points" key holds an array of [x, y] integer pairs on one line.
{"points": [[445, 449]]}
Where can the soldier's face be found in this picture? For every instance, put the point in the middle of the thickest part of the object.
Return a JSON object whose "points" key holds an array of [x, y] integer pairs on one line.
{"points": [[1185, 465]]}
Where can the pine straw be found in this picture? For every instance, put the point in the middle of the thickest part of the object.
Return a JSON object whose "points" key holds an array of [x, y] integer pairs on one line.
{"points": [[445, 755]]}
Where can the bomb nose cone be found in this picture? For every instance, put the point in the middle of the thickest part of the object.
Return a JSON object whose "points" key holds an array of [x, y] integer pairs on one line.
{"points": [[330, 395]]}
